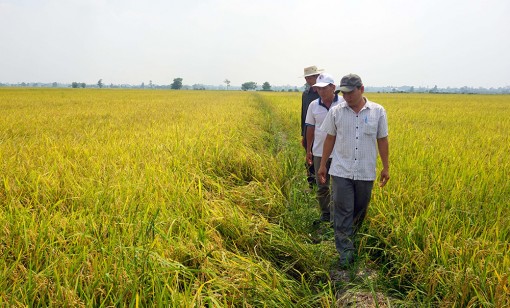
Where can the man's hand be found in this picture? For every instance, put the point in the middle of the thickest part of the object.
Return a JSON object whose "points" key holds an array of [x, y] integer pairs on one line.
{"points": [[385, 176], [322, 173], [309, 158]]}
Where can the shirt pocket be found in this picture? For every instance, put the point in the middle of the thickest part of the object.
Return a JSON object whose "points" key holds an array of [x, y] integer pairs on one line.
{"points": [[370, 128]]}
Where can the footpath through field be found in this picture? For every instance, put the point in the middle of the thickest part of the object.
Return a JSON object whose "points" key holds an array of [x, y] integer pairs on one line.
{"points": [[356, 286]]}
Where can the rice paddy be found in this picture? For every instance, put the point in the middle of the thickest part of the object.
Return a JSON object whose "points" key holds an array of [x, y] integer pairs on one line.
{"points": [[197, 198]]}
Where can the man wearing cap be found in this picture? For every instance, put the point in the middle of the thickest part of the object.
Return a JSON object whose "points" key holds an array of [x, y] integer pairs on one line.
{"points": [[315, 137], [356, 130], [309, 95]]}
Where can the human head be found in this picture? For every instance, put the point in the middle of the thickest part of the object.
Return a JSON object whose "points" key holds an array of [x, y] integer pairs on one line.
{"points": [[311, 73], [325, 85], [352, 89], [349, 82]]}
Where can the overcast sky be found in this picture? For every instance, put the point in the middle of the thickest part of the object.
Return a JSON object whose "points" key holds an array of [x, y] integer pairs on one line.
{"points": [[387, 42]]}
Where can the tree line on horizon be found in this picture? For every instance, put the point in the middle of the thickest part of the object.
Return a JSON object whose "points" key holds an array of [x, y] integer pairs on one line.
{"points": [[177, 84]]}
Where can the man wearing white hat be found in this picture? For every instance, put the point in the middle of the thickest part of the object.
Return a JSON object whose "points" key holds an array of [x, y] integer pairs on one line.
{"points": [[309, 95], [315, 137]]}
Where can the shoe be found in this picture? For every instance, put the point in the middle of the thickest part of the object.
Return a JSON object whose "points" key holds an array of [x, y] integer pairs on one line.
{"points": [[346, 260], [325, 218], [317, 222], [344, 264], [321, 221]]}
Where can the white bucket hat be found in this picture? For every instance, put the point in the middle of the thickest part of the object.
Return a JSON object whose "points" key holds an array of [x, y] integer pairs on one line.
{"points": [[312, 70]]}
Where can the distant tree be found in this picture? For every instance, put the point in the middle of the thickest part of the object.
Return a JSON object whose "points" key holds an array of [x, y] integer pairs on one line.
{"points": [[266, 86], [198, 87], [177, 84], [100, 83], [143, 85], [54, 84], [150, 84], [227, 82], [250, 85], [74, 84], [83, 85]]}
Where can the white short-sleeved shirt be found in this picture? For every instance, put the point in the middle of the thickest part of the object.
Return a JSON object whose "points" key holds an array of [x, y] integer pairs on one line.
{"points": [[314, 117], [355, 150]]}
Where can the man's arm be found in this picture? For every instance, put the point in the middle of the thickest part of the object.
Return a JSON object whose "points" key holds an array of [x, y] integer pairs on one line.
{"points": [[303, 115], [383, 147], [329, 143], [310, 135]]}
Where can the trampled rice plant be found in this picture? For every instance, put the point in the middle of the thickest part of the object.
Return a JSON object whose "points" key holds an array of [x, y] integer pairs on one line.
{"points": [[146, 198]]}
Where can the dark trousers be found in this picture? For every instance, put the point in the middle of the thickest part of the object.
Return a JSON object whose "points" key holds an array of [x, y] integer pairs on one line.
{"points": [[310, 171], [310, 174], [350, 204], [324, 191]]}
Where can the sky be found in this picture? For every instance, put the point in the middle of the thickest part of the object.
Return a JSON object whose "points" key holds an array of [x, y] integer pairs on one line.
{"points": [[421, 43]]}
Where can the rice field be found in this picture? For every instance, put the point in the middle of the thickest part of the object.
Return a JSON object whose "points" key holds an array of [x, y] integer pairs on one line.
{"points": [[197, 198]]}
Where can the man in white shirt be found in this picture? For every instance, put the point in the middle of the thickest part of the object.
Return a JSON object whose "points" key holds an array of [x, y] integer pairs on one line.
{"points": [[315, 137], [357, 129]]}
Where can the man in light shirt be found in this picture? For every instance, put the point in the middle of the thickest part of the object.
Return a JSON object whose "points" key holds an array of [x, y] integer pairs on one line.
{"points": [[356, 130], [315, 137]]}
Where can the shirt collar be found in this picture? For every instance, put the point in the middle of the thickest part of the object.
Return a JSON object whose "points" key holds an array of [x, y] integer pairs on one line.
{"points": [[334, 101], [368, 104]]}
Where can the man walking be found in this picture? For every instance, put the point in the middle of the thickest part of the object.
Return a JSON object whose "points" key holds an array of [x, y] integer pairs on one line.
{"points": [[315, 138], [356, 129], [309, 95]]}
